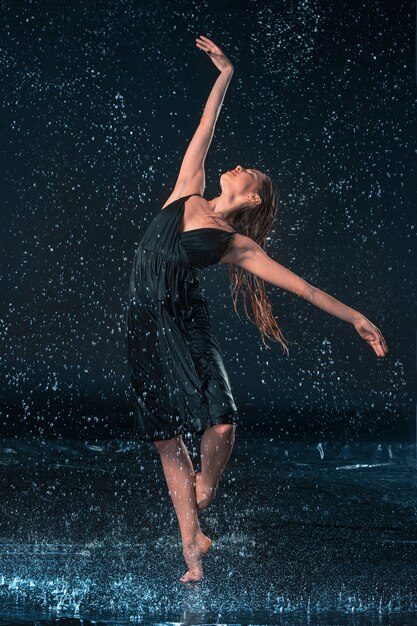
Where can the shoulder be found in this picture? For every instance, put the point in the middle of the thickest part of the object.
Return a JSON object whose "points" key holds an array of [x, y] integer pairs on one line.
{"points": [[240, 248]]}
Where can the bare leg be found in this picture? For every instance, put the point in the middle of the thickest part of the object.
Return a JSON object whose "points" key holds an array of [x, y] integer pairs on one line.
{"points": [[215, 449], [179, 475]]}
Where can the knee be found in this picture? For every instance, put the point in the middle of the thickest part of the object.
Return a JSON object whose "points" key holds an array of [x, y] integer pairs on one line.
{"points": [[227, 430]]}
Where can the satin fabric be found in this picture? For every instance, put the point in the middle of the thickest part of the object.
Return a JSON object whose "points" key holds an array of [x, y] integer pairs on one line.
{"points": [[178, 380]]}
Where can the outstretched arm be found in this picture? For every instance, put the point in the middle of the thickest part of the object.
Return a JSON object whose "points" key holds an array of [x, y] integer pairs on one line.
{"points": [[191, 177], [247, 254]]}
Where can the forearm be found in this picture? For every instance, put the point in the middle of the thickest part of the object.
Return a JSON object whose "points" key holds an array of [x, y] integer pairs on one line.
{"points": [[216, 97], [329, 304]]}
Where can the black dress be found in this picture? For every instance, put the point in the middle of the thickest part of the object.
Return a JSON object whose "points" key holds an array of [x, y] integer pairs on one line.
{"points": [[178, 379]]}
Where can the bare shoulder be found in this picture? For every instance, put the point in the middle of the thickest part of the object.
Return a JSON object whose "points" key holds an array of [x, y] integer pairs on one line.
{"points": [[239, 249]]}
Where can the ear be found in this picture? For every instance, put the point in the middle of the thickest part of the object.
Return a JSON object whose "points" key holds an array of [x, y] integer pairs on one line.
{"points": [[254, 198]]}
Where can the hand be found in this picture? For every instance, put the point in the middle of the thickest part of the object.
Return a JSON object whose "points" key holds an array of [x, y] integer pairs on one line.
{"points": [[372, 335], [218, 57]]}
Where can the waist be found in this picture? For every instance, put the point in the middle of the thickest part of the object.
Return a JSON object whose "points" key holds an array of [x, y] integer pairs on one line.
{"points": [[165, 254]]}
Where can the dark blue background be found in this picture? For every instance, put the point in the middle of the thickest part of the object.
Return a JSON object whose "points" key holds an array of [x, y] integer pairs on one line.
{"points": [[100, 100]]}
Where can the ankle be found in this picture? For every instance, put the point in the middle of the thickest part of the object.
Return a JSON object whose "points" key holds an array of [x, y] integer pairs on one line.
{"points": [[190, 539]]}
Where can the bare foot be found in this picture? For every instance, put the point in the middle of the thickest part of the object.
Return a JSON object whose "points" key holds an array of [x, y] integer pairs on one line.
{"points": [[193, 554], [203, 494]]}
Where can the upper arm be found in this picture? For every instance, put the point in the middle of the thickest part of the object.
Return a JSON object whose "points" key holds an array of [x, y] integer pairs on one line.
{"points": [[191, 177], [247, 254], [192, 165]]}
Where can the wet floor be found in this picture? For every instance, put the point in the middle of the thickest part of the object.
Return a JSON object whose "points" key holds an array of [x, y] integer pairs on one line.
{"points": [[303, 533]]}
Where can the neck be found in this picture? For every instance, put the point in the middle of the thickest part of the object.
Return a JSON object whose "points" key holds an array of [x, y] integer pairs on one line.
{"points": [[222, 206]]}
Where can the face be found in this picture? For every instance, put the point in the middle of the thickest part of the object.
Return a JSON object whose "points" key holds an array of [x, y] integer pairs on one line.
{"points": [[242, 181]]}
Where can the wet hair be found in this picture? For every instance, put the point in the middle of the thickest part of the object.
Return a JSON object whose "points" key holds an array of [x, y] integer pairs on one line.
{"points": [[256, 223]]}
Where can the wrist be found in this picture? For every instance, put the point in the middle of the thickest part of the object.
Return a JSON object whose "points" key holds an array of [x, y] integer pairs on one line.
{"points": [[356, 317]]}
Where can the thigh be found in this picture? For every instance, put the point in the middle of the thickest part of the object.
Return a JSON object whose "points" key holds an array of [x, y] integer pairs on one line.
{"points": [[169, 444]]}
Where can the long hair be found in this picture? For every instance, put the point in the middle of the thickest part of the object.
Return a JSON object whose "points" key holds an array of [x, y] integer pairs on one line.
{"points": [[256, 223]]}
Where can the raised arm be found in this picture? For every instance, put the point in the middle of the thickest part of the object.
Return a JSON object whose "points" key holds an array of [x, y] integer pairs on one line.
{"points": [[191, 177], [247, 254]]}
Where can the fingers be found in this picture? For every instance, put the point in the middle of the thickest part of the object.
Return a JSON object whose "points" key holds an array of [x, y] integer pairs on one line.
{"points": [[379, 346], [205, 41], [384, 344], [203, 46], [376, 347], [381, 338], [375, 339]]}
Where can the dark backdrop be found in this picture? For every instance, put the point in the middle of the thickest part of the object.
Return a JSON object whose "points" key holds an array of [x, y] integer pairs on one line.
{"points": [[100, 100]]}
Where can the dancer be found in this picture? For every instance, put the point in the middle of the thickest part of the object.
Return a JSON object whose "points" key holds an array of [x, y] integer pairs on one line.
{"points": [[179, 381]]}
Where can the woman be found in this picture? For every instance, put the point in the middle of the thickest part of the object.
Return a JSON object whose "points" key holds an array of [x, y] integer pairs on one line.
{"points": [[177, 372]]}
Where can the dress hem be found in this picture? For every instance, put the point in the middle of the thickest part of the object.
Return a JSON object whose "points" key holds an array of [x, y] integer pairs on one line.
{"points": [[225, 418]]}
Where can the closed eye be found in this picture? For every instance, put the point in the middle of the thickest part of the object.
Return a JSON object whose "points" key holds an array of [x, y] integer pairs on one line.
{"points": [[252, 172]]}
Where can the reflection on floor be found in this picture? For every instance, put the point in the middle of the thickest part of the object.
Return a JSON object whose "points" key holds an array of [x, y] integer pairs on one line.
{"points": [[302, 533]]}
